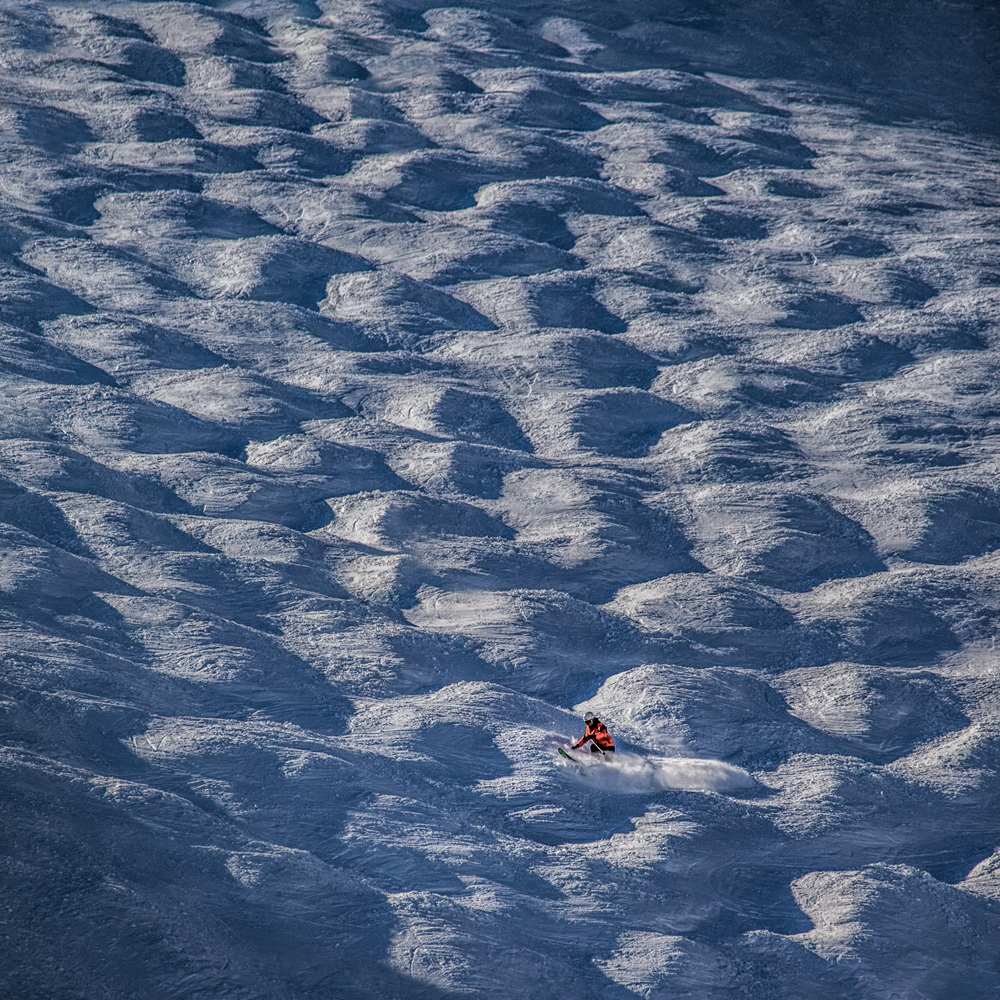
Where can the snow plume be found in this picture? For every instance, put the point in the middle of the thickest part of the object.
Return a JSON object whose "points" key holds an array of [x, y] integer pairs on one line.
{"points": [[628, 772]]}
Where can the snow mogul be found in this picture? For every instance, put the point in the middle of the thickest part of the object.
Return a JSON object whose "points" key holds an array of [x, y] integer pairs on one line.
{"points": [[597, 736]]}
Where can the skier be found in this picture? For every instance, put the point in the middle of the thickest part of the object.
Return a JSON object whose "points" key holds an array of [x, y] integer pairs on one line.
{"points": [[598, 736]]}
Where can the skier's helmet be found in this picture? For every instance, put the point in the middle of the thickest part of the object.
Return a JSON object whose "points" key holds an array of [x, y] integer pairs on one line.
{"points": [[590, 717]]}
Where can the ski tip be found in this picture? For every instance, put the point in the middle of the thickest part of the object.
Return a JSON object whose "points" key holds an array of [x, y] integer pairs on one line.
{"points": [[580, 768]]}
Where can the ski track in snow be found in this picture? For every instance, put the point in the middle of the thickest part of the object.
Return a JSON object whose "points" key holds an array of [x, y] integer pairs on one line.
{"points": [[384, 386]]}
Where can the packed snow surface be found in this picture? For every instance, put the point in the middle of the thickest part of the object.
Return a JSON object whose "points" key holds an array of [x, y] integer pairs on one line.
{"points": [[384, 386]]}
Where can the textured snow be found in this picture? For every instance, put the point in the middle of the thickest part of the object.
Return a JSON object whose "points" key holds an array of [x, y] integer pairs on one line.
{"points": [[384, 386]]}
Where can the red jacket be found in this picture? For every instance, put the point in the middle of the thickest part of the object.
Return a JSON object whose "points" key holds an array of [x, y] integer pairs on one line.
{"points": [[599, 734]]}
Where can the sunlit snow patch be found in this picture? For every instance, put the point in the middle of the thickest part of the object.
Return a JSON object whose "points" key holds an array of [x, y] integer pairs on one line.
{"points": [[629, 772]]}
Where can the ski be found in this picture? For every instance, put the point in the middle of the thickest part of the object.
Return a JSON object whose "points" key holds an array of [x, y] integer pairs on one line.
{"points": [[581, 767]]}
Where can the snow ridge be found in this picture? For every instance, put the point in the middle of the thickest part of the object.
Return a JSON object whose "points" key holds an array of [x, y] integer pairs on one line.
{"points": [[384, 386]]}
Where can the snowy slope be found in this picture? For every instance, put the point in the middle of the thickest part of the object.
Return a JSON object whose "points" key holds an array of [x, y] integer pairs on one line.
{"points": [[383, 386]]}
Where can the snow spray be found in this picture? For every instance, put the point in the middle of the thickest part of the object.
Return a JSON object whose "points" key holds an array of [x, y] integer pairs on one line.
{"points": [[629, 772]]}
